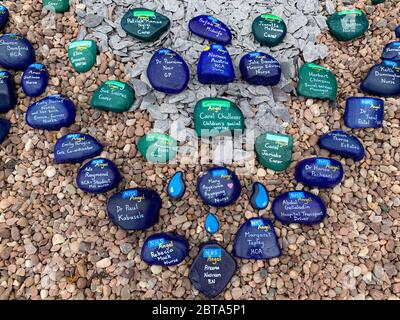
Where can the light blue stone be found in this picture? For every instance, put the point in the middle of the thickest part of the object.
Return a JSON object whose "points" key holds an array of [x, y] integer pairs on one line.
{"points": [[176, 186], [211, 223]]}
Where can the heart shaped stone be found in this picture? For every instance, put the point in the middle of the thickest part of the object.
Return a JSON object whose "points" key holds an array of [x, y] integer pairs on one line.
{"points": [[383, 80], [34, 80], [158, 147], [16, 52], [347, 25], [342, 143], [210, 28], [364, 112], [113, 95], [8, 99], [4, 16], [5, 127], [259, 68], [82, 55], [58, 6], [269, 29]]}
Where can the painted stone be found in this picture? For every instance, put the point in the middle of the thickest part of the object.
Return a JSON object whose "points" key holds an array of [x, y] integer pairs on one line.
{"points": [[347, 25], [342, 143], [269, 29], [259, 197], [76, 147], [16, 52], [165, 249], [82, 55], [158, 147], [259, 68], [377, 1], [364, 112], [51, 113], [144, 24], [8, 99], [301, 207], [392, 51], [168, 72], [397, 32], [176, 186], [256, 239], [4, 16], [210, 28], [5, 127], [212, 269], [216, 116], [113, 95], [58, 6], [211, 224], [383, 79], [34, 80], [215, 66], [218, 187]]}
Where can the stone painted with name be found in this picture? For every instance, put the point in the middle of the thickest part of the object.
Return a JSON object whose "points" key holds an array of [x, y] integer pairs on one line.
{"points": [[82, 55], [113, 95], [383, 79], [5, 127], [364, 112], [259, 68], [342, 143], [57, 6], [269, 30], [210, 28], [347, 25], [392, 51], [158, 147], [35, 80], [16, 52], [8, 98]]}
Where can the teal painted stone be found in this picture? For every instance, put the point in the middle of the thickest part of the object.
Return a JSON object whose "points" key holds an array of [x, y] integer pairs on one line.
{"points": [[82, 55], [57, 6], [347, 25], [158, 147], [113, 95], [269, 29]]}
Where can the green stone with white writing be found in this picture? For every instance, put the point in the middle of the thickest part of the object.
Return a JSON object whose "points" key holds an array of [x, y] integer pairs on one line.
{"points": [[316, 81], [158, 147], [274, 150], [82, 55], [215, 116], [114, 96], [269, 30], [347, 25], [58, 6]]}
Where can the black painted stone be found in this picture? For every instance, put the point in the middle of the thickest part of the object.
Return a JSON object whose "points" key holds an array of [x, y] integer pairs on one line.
{"points": [[342, 143], [259, 68], [383, 80], [34, 80], [269, 29], [4, 15], [210, 28], [5, 127], [392, 51], [364, 112], [16, 52], [8, 99]]}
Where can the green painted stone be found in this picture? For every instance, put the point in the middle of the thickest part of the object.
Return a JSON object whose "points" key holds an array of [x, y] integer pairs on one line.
{"points": [[377, 1], [274, 150], [158, 147], [347, 25], [316, 81], [215, 116], [114, 96], [82, 55], [58, 6], [144, 24], [269, 30]]}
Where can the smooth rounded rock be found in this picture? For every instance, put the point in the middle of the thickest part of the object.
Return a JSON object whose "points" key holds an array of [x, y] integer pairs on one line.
{"points": [[392, 51], [342, 143], [4, 16], [82, 55], [211, 223], [259, 196], [16, 52], [269, 30], [8, 98], [210, 28], [347, 25], [176, 186], [397, 32], [158, 147], [259, 68], [57, 6], [383, 79], [5, 127], [34, 80], [113, 95], [364, 112]]}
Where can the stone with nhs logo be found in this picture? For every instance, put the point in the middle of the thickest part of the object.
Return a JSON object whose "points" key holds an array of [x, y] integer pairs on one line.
{"points": [[364, 112], [383, 79]]}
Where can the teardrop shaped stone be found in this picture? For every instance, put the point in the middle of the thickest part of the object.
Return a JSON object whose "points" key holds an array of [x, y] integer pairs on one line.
{"points": [[211, 223], [269, 29], [158, 147], [34, 80], [113, 95], [347, 25], [58, 6], [8, 99], [4, 16], [82, 55], [364, 112], [176, 186], [383, 80], [342, 143], [259, 197], [210, 28], [5, 127], [259, 68], [16, 52], [392, 51]]}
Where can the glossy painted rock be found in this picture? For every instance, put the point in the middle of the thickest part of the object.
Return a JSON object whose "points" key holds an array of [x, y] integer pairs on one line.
{"points": [[392, 51], [158, 147], [259, 68], [212, 269], [215, 66], [211, 223], [215, 116], [348, 24], [210, 28], [82, 55], [259, 197], [8, 98], [5, 127], [4, 15], [58, 6], [16, 52], [298, 207], [364, 112], [256, 239], [176, 186], [76, 147], [218, 187], [165, 249], [342, 143], [377, 1], [134, 209], [51, 113], [269, 29], [316, 81], [145, 25], [397, 32], [98, 175], [383, 79], [274, 151], [113, 96], [34, 80], [168, 72]]}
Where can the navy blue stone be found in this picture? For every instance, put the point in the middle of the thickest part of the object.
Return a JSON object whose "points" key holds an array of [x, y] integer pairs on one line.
{"points": [[211, 223], [8, 99], [259, 197], [301, 207], [364, 112], [397, 32], [342, 143], [76, 147], [165, 249], [134, 209], [98, 175], [259, 68], [256, 239], [16, 52], [383, 79], [34, 80], [210, 28], [168, 72], [215, 66], [212, 269], [51, 113], [176, 186], [5, 127], [219, 187], [4, 15], [392, 51]]}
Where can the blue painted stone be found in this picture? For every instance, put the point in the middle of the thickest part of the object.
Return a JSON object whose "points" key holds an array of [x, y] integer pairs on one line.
{"points": [[134, 209], [5, 127], [168, 72], [210, 28], [363, 112], [176, 186], [383, 79], [215, 66], [256, 239], [319, 172], [76, 147], [165, 249], [51, 113], [298, 207], [259, 197], [259, 68], [392, 51], [397, 32], [211, 224], [34, 80], [342, 143], [16, 52], [98, 175], [4, 15], [212, 269], [219, 187], [8, 99]]}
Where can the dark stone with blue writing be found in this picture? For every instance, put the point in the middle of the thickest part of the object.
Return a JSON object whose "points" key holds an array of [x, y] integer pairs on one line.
{"points": [[165, 249], [301, 207], [176, 186], [76, 147], [134, 209], [8, 99], [34, 80], [51, 113], [342, 143], [397, 32], [16, 52], [256, 239], [392, 51], [5, 127], [383, 79], [259, 68], [168, 72], [364, 112], [219, 187], [210, 28], [212, 269], [98, 175], [259, 197], [4, 15]]}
